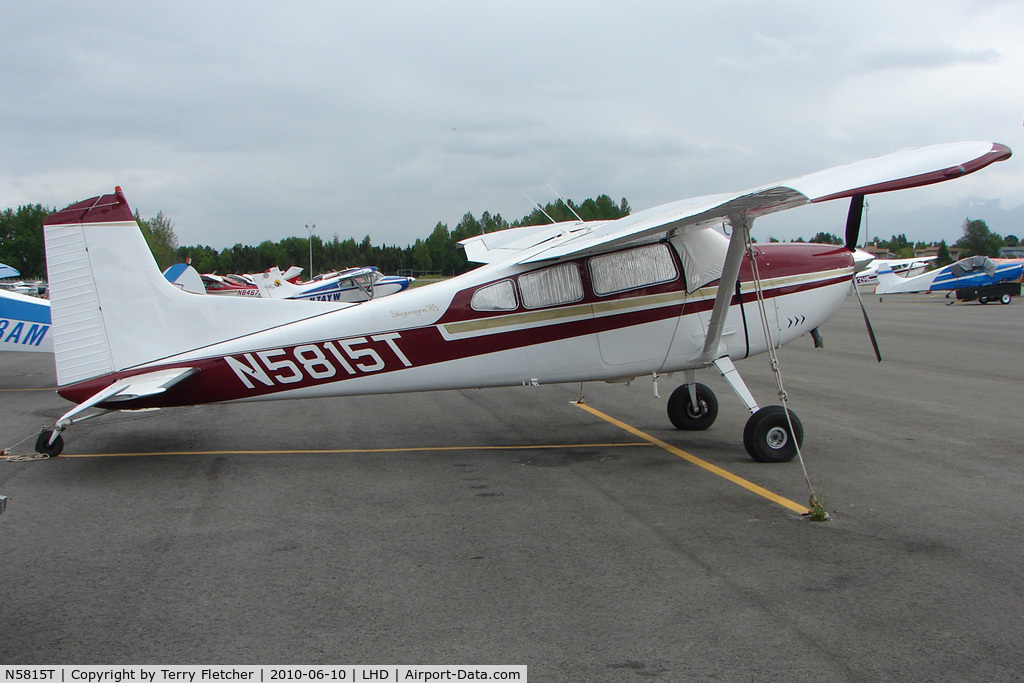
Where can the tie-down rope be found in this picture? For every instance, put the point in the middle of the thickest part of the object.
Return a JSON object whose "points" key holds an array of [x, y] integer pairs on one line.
{"points": [[774, 361]]}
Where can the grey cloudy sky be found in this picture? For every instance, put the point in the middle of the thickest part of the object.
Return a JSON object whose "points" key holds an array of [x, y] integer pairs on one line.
{"points": [[243, 121]]}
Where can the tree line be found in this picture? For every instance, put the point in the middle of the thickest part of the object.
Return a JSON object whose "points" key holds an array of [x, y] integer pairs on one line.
{"points": [[21, 243], [438, 253]]}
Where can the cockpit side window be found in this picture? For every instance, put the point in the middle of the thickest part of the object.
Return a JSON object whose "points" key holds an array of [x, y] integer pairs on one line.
{"points": [[625, 270], [551, 286], [501, 296]]}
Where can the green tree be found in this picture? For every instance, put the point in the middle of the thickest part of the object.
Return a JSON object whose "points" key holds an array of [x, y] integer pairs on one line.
{"points": [[826, 238], [897, 245], [441, 249], [21, 239], [978, 240], [599, 209], [944, 257], [159, 234], [421, 260]]}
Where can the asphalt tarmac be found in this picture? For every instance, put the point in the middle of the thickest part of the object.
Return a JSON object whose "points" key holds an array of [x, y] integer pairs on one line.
{"points": [[513, 527]]}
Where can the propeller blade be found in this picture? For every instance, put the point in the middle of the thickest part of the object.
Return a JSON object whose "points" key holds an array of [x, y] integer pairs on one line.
{"points": [[853, 221], [864, 312]]}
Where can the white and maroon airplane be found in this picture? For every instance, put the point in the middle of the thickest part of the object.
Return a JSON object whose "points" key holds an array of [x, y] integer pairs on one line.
{"points": [[659, 291]]}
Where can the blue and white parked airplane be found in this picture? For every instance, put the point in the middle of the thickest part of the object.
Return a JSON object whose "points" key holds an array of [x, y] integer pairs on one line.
{"points": [[352, 285], [973, 277]]}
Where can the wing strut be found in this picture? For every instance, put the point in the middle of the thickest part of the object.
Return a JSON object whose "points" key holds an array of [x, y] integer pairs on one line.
{"points": [[726, 287]]}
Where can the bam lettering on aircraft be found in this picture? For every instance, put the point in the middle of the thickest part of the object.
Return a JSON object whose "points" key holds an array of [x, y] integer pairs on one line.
{"points": [[24, 323], [14, 332]]}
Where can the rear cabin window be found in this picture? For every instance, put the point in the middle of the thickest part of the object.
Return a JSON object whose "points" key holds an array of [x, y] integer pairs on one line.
{"points": [[632, 269], [500, 296], [551, 286]]}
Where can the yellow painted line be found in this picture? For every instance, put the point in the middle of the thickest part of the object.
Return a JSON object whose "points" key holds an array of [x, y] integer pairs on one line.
{"points": [[350, 451], [714, 469], [43, 389]]}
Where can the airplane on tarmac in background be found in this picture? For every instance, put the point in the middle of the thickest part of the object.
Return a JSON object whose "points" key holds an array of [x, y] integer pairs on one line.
{"points": [[907, 267], [351, 285], [24, 323], [659, 291], [975, 277]]}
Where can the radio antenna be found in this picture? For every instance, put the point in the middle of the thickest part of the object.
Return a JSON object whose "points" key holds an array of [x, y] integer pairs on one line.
{"points": [[539, 208], [567, 205]]}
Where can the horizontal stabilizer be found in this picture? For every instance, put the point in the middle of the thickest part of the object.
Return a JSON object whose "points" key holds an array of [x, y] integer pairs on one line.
{"points": [[128, 389], [147, 384], [496, 246]]}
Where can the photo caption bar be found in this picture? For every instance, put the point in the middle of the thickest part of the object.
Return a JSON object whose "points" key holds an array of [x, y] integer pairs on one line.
{"points": [[146, 673]]}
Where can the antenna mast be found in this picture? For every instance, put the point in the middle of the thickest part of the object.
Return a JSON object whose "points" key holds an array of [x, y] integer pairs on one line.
{"points": [[566, 203], [539, 208]]}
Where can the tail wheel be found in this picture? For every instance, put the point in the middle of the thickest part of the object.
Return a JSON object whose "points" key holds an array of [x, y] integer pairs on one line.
{"points": [[44, 447], [767, 436], [685, 415]]}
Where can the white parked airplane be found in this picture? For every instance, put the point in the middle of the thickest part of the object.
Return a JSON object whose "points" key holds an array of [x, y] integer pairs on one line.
{"points": [[660, 291], [906, 267]]}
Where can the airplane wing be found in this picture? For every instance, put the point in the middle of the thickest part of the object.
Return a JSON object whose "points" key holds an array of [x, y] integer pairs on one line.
{"points": [[902, 170]]}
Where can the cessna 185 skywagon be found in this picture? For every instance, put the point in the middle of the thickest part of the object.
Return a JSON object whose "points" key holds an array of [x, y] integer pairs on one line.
{"points": [[660, 291]]}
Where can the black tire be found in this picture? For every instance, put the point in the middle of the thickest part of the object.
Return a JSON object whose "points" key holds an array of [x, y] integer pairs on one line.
{"points": [[983, 299], [1005, 298], [44, 447], [682, 412], [767, 437]]}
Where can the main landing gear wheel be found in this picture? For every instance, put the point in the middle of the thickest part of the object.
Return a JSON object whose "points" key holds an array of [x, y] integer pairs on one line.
{"points": [[684, 415], [1005, 298], [44, 447], [767, 437]]}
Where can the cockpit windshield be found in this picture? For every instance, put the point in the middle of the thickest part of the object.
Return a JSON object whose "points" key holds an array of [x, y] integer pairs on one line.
{"points": [[973, 264]]}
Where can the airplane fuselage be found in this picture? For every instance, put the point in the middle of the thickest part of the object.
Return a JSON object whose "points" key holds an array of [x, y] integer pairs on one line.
{"points": [[591, 318]]}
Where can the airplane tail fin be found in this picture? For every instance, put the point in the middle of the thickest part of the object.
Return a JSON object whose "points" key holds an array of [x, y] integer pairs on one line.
{"points": [[112, 309], [274, 285], [887, 279]]}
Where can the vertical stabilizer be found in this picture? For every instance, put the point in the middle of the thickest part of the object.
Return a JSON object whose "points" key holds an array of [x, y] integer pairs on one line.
{"points": [[112, 308], [80, 343]]}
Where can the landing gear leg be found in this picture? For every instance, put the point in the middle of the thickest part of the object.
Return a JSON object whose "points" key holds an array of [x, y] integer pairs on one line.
{"points": [[51, 443]]}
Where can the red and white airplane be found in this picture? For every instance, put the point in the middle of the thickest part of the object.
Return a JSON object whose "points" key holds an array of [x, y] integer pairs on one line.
{"points": [[659, 291]]}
